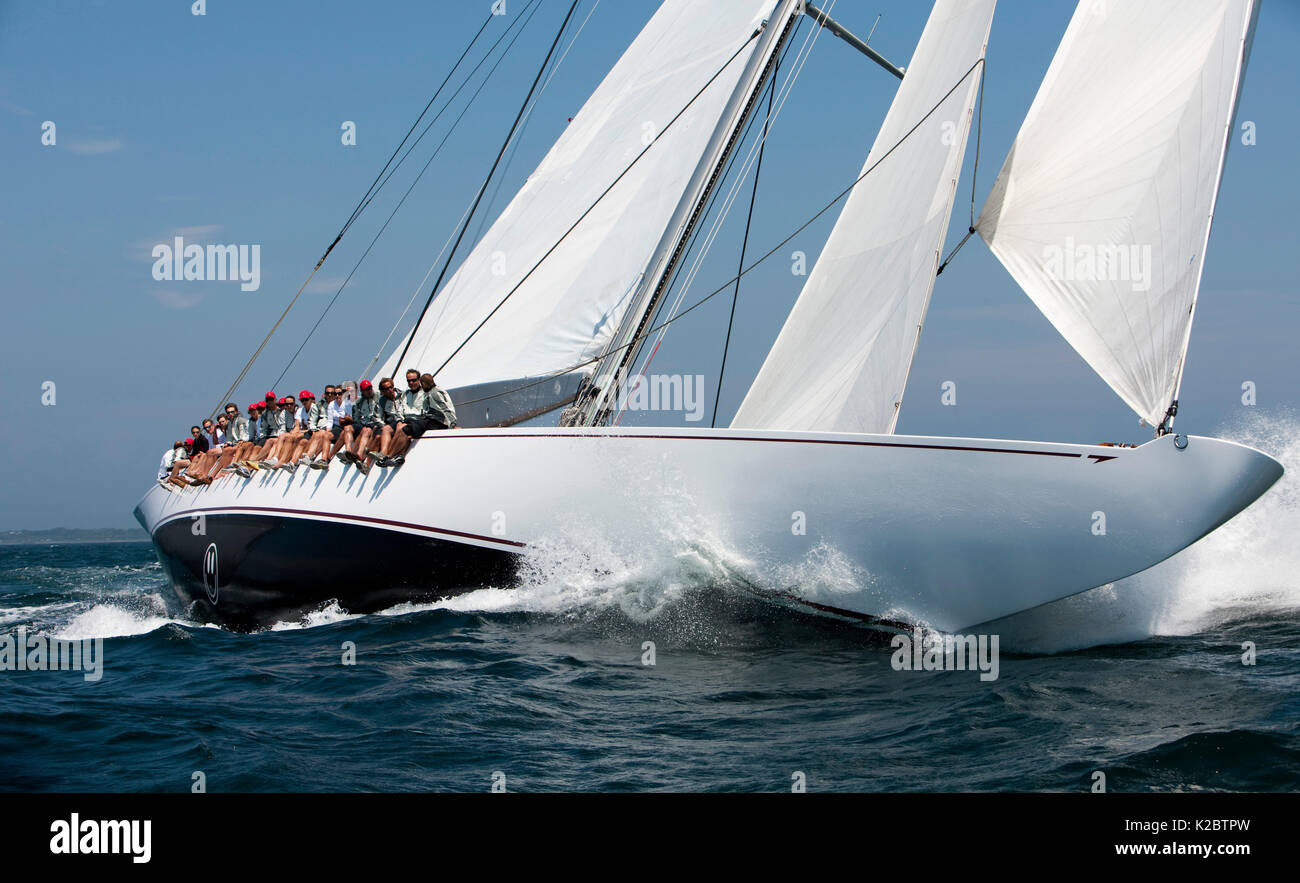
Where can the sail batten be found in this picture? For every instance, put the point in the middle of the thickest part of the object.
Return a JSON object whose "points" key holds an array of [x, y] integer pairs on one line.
{"points": [[1103, 208], [842, 358]]}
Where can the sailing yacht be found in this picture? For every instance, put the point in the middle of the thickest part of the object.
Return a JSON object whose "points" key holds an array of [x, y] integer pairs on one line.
{"points": [[1101, 213]]}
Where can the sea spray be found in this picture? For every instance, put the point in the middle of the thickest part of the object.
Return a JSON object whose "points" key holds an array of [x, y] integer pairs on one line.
{"points": [[1246, 567]]}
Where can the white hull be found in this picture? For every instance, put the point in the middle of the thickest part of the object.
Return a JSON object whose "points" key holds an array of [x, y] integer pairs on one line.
{"points": [[949, 532]]}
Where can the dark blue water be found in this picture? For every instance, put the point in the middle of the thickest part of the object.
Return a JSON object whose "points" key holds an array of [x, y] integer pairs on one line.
{"points": [[741, 697]]}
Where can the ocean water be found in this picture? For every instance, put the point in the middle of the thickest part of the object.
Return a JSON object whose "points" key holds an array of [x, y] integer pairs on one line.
{"points": [[545, 685]]}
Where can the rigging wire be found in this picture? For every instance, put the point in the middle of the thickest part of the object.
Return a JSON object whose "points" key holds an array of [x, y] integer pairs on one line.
{"points": [[744, 244], [365, 372], [437, 150], [356, 213], [975, 170], [760, 260], [486, 181], [801, 58], [487, 213], [374, 190], [591, 207], [724, 207]]}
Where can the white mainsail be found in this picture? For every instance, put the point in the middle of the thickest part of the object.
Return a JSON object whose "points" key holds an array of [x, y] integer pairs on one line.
{"points": [[1102, 210], [841, 360], [566, 309]]}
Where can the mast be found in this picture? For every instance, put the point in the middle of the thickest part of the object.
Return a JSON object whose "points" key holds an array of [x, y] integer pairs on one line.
{"points": [[594, 399]]}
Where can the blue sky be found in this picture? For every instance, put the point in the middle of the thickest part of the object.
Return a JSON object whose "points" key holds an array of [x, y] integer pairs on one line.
{"points": [[226, 128]]}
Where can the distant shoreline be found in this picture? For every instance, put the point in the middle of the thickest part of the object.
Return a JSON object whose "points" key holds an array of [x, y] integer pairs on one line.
{"points": [[54, 542], [72, 536]]}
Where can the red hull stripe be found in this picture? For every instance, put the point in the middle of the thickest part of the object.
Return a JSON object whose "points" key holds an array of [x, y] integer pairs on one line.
{"points": [[801, 441], [339, 515]]}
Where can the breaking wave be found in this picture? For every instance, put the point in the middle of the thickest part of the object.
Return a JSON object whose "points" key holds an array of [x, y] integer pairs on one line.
{"points": [[1246, 569]]}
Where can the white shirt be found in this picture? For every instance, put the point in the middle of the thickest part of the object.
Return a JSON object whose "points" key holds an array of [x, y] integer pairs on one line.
{"points": [[337, 411], [168, 461]]}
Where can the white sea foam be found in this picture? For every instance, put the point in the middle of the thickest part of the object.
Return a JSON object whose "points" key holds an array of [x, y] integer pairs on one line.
{"points": [[326, 615], [142, 615], [1247, 567]]}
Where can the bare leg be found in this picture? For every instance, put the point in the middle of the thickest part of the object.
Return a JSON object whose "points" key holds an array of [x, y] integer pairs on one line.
{"points": [[175, 477], [345, 441], [272, 448], [399, 442], [227, 457], [362, 443]]}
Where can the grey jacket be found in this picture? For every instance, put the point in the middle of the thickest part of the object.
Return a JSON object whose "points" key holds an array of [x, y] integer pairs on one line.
{"points": [[238, 430], [410, 404], [438, 405], [369, 411], [318, 417], [272, 422]]}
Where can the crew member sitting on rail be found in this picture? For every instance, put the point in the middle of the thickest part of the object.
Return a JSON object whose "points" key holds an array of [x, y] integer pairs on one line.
{"points": [[292, 435], [169, 461], [391, 406], [299, 435], [318, 425], [196, 446], [257, 431], [438, 406], [410, 415], [236, 443], [438, 412], [273, 427], [183, 463], [363, 430]]}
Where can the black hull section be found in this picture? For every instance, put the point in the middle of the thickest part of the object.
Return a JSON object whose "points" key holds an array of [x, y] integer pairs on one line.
{"points": [[251, 571]]}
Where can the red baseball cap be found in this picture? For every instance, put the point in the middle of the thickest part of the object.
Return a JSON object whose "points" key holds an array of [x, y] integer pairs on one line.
{"points": [[306, 394], [270, 395], [261, 406], [188, 442], [365, 384], [283, 402]]}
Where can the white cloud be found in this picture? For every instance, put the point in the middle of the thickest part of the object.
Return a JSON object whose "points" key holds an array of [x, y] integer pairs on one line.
{"points": [[95, 146], [324, 284], [143, 249], [174, 300]]}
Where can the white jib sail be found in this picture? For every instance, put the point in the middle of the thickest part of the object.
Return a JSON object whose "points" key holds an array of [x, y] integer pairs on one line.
{"points": [[841, 360], [1102, 210], [568, 306]]}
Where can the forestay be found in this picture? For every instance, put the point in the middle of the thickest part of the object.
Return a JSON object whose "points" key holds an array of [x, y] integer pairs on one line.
{"points": [[1102, 210], [564, 311], [842, 358]]}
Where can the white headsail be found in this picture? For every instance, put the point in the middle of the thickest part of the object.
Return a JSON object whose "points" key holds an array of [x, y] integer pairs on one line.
{"points": [[1102, 210], [566, 309], [842, 358]]}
